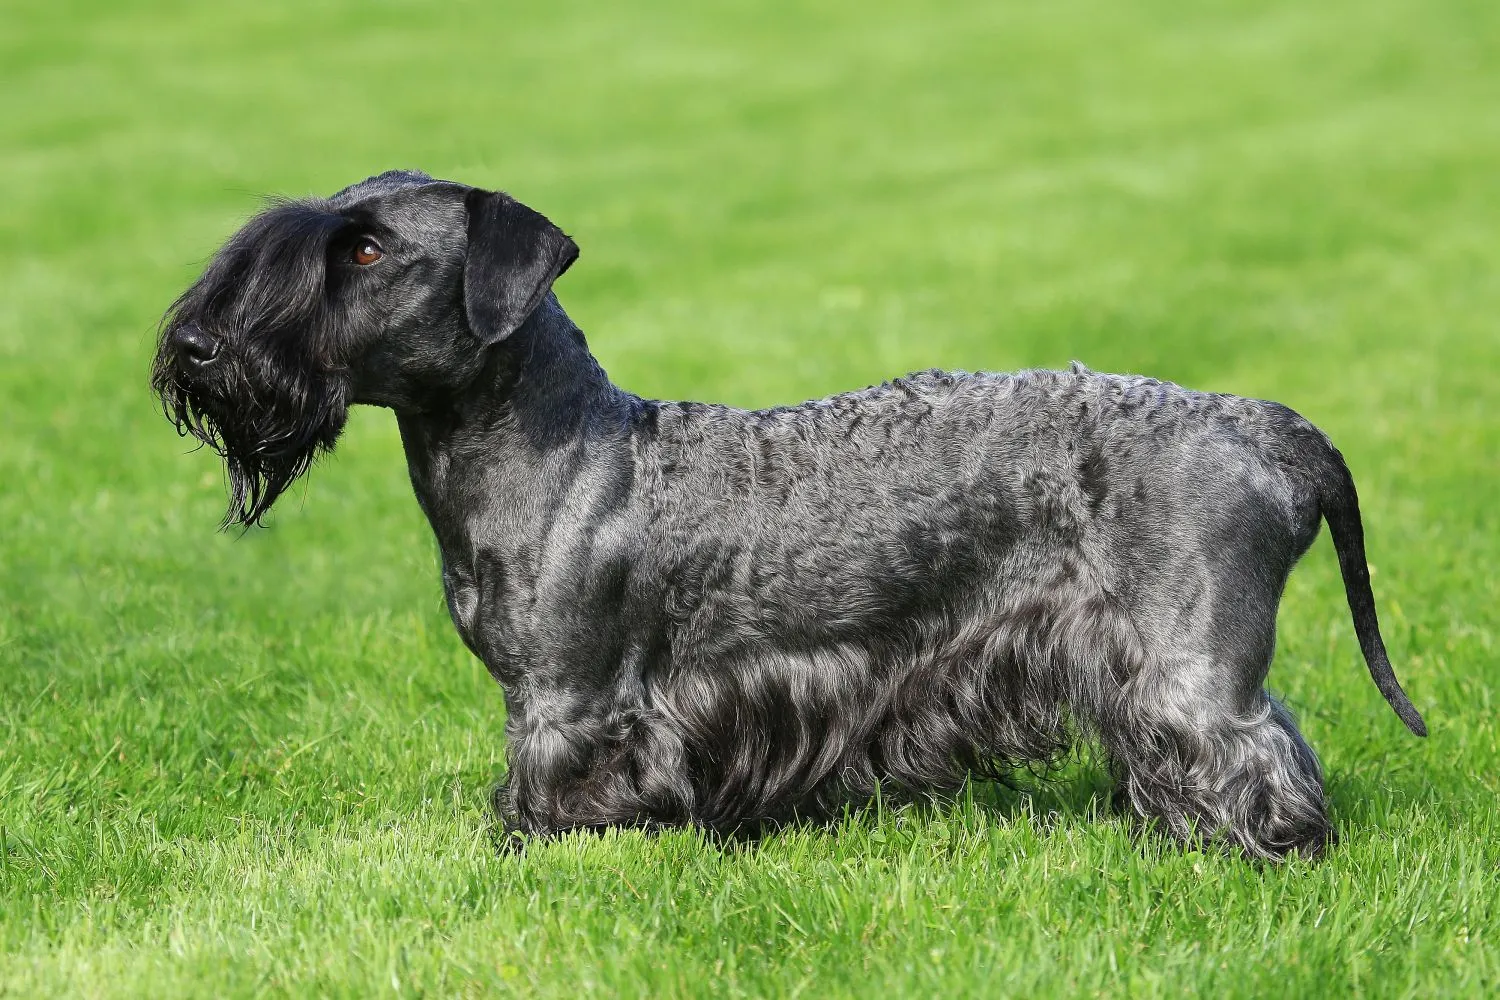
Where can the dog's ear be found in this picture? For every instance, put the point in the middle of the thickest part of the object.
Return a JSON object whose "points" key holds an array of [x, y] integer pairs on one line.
{"points": [[515, 254]]}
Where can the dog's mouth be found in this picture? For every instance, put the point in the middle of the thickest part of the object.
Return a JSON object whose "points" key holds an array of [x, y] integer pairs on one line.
{"points": [[267, 436]]}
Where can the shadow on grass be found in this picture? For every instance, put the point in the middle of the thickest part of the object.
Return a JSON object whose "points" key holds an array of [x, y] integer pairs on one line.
{"points": [[1045, 798], [1039, 802]]}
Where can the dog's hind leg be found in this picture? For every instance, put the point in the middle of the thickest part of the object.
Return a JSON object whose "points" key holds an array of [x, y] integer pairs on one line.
{"points": [[1245, 777], [1196, 740]]}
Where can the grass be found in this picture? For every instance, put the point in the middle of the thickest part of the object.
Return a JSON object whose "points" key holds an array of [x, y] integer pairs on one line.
{"points": [[240, 766]]}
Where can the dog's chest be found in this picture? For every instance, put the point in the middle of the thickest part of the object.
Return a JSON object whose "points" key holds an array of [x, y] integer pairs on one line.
{"points": [[494, 610]]}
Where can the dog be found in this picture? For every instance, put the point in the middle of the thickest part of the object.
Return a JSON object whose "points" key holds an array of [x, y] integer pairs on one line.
{"points": [[711, 616]]}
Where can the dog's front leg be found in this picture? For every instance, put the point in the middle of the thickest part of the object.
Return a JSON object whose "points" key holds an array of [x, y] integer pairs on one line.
{"points": [[574, 768]]}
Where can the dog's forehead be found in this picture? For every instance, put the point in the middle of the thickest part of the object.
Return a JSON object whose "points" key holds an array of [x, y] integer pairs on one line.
{"points": [[385, 183], [409, 203]]}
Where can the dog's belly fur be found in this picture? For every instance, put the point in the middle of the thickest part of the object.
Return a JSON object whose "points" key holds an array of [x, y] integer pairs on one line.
{"points": [[788, 608]]}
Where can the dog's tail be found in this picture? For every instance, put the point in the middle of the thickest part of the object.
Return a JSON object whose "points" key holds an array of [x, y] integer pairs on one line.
{"points": [[1339, 504]]}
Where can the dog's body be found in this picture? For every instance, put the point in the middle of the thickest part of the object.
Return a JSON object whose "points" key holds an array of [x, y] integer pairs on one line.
{"points": [[706, 615]]}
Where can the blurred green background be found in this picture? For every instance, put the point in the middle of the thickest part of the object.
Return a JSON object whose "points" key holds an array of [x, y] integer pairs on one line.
{"points": [[247, 765]]}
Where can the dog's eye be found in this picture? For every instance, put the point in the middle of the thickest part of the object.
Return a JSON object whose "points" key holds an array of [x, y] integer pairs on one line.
{"points": [[367, 252]]}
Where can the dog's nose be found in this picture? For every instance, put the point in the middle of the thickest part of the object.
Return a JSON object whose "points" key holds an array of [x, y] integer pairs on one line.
{"points": [[195, 346]]}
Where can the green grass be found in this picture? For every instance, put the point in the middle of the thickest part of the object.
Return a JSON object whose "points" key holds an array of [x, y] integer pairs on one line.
{"points": [[237, 766]]}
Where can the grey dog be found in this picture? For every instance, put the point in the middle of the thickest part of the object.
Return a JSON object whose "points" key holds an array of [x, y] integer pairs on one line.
{"points": [[706, 615]]}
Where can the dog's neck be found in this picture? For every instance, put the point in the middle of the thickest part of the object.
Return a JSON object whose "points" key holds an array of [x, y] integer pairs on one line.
{"points": [[540, 413]]}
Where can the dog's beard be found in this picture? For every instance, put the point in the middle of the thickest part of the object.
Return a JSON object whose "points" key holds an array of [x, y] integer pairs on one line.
{"points": [[267, 434], [277, 397]]}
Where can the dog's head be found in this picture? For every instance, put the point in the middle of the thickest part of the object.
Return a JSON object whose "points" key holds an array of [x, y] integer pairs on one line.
{"points": [[389, 293]]}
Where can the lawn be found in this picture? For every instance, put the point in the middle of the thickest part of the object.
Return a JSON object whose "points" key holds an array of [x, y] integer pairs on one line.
{"points": [[242, 765]]}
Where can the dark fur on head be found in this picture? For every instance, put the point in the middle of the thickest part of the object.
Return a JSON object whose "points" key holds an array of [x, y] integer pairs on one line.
{"points": [[279, 394], [301, 330]]}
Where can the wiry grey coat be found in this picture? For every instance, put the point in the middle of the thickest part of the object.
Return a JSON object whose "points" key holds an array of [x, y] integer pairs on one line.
{"points": [[701, 614]]}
